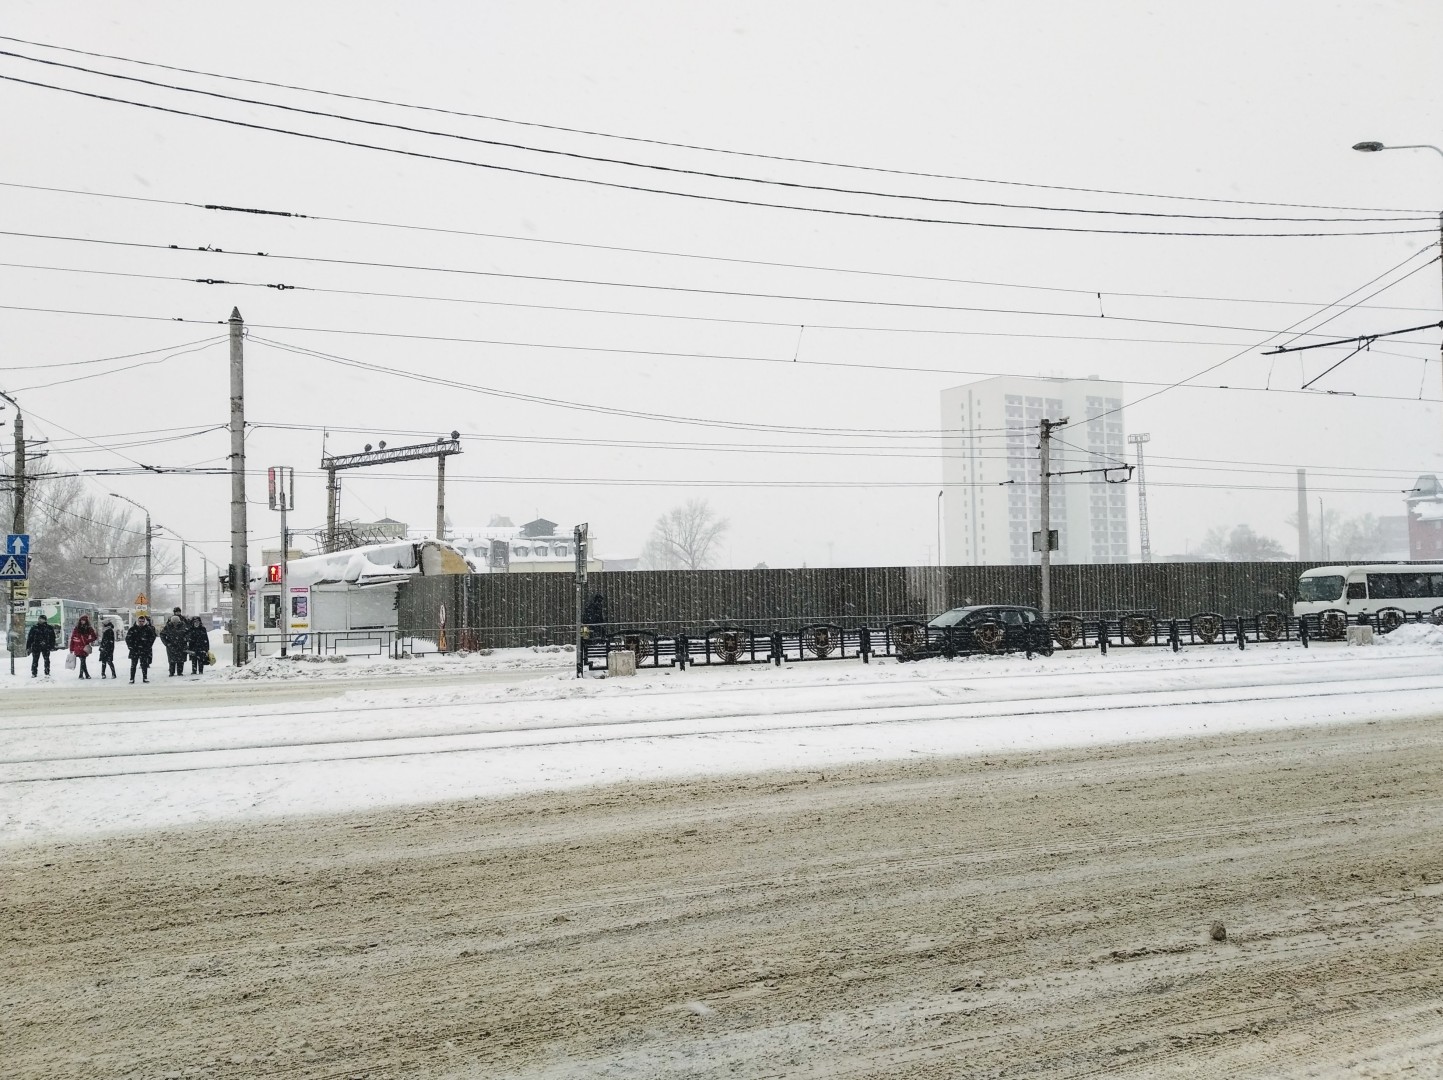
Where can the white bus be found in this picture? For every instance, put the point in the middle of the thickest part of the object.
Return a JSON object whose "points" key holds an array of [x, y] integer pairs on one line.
{"points": [[1413, 588]]}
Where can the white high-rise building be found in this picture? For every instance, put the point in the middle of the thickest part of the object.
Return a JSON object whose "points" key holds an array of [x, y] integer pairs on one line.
{"points": [[992, 502]]}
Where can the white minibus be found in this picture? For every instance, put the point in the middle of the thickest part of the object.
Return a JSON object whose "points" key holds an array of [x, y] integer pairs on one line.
{"points": [[1414, 588]]}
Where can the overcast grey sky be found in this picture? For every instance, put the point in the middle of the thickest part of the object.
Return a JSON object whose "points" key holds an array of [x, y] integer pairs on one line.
{"points": [[1226, 101]]}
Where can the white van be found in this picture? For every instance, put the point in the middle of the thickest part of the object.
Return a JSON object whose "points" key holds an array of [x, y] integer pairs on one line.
{"points": [[1414, 588]]}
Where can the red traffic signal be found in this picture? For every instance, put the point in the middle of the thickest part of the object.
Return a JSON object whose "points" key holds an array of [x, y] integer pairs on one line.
{"points": [[273, 574]]}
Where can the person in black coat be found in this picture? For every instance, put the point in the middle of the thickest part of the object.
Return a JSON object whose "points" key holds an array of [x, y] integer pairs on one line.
{"points": [[107, 650], [40, 642], [198, 640], [139, 640], [175, 636]]}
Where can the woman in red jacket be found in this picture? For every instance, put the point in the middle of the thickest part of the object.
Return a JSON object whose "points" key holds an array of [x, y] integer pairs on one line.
{"points": [[81, 638]]}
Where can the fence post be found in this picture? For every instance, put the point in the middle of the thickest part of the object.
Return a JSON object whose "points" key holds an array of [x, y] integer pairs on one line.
{"points": [[1242, 634], [777, 647]]}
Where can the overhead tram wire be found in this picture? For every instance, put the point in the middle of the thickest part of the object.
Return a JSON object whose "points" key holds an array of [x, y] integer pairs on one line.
{"points": [[120, 370], [642, 286], [774, 323], [670, 418], [697, 196], [1227, 360], [613, 248], [697, 173], [863, 453], [689, 146]]}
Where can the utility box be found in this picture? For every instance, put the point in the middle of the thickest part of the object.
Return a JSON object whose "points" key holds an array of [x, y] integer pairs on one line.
{"points": [[1360, 635], [621, 662]]}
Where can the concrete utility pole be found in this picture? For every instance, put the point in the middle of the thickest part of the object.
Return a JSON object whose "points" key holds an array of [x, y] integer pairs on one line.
{"points": [[441, 497], [17, 624], [1143, 535], [1305, 540], [1045, 545], [240, 572]]}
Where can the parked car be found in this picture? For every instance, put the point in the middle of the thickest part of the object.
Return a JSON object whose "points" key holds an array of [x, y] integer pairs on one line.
{"points": [[985, 628]]}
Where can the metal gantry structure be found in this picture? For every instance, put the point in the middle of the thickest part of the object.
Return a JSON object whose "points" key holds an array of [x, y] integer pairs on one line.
{"points": [[441, 449]]}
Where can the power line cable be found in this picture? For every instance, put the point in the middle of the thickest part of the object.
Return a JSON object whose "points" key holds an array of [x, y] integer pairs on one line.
{"points": [[723, 199], [688, 146], [675, 170]]}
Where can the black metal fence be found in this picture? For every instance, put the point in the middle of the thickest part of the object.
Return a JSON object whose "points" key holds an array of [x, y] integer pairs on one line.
{"points": [[508, 610]]}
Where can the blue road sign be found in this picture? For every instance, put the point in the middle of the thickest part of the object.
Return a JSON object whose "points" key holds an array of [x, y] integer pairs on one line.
{"points": [[17, 544], [14, 567]]}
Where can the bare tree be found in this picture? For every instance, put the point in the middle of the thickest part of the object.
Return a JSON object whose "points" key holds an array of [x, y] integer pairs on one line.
{"points": [[684, 538], [1240, 544], [83, 546]]}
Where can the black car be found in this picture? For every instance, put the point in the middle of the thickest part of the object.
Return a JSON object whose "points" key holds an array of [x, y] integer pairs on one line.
{"points": [[985, 628]]}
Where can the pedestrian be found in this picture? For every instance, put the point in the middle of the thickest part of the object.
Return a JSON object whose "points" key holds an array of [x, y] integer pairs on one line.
{"points": [[82, 638], [199, 642], [107, 650], [139, 640], [40, 642], [175, 635]]}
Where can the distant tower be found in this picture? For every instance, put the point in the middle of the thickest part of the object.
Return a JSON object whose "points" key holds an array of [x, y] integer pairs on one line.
{"points": [[1144, 539]]}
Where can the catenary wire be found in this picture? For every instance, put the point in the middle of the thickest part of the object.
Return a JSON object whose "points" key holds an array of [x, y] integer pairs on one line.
{"points": [[722, 319], [651, 287], [613, 248]]}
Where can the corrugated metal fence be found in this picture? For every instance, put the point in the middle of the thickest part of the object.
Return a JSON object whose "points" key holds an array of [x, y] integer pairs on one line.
{"points": [[507, 610]]}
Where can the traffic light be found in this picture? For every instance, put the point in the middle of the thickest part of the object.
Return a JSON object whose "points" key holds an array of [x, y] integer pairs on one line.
{"points": [[273, 574], [227, 580]]}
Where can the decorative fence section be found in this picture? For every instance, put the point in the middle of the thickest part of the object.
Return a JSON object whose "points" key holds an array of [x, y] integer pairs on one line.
{"points": [[507, 610]]}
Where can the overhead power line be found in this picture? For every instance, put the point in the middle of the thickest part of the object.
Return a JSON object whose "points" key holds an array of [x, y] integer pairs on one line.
{"points": [[699, 173], [690, 146], [722, 199]]}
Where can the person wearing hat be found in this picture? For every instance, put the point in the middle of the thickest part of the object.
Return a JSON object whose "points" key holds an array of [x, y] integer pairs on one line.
{"points": [[41, 642], [107, 650], [139, 640], [176, 637]]}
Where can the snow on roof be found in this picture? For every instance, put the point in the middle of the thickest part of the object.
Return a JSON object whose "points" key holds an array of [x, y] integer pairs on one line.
{"points": [[377, 562], [1428, 511]]}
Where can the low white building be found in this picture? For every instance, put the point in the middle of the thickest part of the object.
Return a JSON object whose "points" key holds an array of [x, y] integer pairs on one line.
{"points": [[344, 591]]}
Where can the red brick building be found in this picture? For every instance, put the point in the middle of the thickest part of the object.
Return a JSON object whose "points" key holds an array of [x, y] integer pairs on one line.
{"points": [[1425, 520]]}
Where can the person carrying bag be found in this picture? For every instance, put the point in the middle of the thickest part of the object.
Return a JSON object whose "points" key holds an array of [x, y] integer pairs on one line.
{"points": [[82, 638]]}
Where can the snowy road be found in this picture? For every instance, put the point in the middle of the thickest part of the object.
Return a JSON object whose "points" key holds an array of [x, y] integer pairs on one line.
{"points": [[240, 748]]}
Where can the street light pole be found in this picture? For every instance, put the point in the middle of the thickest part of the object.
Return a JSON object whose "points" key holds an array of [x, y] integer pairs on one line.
{"points": [[148, 534], [17, 625], [1372, 148]]}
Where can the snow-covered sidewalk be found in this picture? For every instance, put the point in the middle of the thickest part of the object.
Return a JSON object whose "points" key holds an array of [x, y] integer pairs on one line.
{"points": [[81, 773]]}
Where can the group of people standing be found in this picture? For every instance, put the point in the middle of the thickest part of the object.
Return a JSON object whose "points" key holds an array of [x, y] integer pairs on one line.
{"points": [[183, 639]]}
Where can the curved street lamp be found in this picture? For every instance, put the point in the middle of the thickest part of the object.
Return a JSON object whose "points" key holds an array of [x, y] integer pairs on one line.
{"points": [[1372, 147], [148, 533]]}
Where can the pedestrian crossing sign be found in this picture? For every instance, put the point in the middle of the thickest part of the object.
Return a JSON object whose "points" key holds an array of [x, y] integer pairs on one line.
{"points": [[14, 567]]}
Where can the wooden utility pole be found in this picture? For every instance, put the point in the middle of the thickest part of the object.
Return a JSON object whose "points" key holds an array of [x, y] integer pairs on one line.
{"points": [[240, 571]]}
